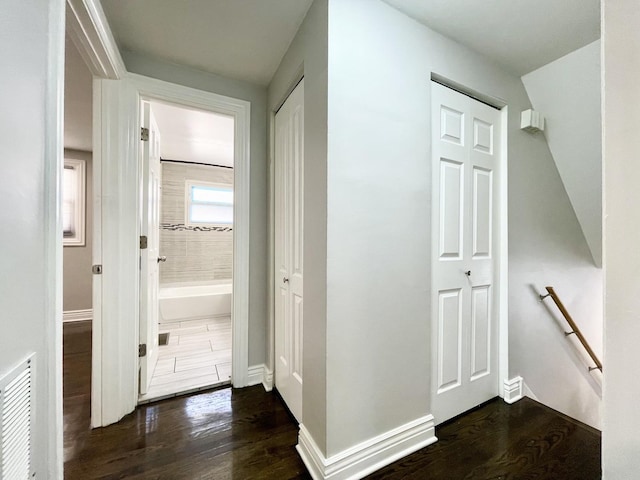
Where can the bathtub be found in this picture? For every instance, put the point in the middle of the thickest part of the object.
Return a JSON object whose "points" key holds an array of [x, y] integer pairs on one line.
{"points": [[192, 302]]}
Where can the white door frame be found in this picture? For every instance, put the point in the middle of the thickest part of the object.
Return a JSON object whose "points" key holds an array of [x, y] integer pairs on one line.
{"points": [[502, 270], [116, 338], [153, 89], [116, 124]]}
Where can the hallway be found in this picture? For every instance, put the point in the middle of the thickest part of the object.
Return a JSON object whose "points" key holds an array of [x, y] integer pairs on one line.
{"points": [[248, 434]]}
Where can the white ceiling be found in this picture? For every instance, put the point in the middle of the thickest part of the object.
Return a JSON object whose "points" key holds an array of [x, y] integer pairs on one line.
{"points": [[241, 39], [194, 135], [521, 35]]}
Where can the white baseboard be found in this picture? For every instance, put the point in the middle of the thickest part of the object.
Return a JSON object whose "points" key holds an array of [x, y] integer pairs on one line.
{"points": [[77, 315], [513, 389], [260, 374], [367, 457]]}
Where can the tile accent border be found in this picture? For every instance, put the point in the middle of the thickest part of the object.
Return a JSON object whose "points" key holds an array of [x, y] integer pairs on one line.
{"points": [[77, 315], [175, 227], [367, 457], [513, 389]]}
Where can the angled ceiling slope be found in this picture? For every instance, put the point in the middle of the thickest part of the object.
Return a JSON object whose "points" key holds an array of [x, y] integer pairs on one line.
{"points": [[520, 35], [244, 40]]}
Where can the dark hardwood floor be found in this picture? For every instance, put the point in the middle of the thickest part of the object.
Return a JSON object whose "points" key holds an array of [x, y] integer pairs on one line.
{"points": [[248, 434]]}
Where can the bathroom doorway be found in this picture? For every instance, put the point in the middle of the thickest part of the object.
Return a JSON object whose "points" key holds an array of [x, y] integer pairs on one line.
{"points": [[187, 263]]}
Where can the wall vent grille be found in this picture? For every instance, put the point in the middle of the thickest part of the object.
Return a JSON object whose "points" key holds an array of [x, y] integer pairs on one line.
{"points": [[15, 422]]}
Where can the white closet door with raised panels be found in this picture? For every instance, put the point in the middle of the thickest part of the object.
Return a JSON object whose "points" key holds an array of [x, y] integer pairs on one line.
{"points": [[289, 175], [466, 153]]}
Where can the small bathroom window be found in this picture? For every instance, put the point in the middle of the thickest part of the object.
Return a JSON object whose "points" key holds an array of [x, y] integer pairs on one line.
{"points": [[209, 203], [73, 202]]}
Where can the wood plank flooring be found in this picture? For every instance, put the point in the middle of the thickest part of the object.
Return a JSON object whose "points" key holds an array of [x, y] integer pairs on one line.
{"points": [[248, 434]]}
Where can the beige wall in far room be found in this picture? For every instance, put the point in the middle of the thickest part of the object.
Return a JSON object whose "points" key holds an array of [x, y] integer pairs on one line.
{"points": [[77, 278]]}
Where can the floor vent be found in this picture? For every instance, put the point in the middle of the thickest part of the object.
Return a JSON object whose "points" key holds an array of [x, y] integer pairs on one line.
{"points": [[15, 422], [163, 339]]}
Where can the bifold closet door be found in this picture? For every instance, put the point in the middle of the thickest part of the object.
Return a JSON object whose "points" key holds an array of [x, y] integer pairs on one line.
{"points": [[466, 153], [289, 208]]}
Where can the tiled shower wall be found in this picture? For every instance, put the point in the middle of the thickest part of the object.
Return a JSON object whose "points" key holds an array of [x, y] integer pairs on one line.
{"points": [[193, 255]]}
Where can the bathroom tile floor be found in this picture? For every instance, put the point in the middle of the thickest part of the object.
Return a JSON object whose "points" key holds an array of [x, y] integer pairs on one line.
{"points": [[197, 357]]}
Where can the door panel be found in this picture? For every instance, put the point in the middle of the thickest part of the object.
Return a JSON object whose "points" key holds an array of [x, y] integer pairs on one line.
{"points": [[289, 218], [449, 340], [452, 126], [150, 227], [480, 332], [466, 140], [482, 212], [451, 215], [482, 136]]}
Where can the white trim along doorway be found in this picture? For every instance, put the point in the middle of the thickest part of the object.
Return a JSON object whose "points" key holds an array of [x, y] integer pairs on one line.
{"points": [[117, 123]]}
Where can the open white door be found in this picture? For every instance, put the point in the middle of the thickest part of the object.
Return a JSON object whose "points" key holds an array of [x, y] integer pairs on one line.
{"points": [[466, 158], [289, 165], [149, 258]]}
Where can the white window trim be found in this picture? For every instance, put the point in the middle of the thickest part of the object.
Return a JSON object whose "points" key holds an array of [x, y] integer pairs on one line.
{"points": [[187, 202], [78, 240]]}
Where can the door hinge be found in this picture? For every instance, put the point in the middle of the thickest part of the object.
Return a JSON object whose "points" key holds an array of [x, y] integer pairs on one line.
{"points": [[142, 350], [96, 269], [144, 134], [143, 242]]}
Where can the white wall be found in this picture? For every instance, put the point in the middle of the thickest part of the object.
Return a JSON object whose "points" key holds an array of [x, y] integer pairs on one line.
{"points": [[378, 228], [621, 142], [307, 55], [32, 51], [567, 92], [255, 94], [78, 100]]}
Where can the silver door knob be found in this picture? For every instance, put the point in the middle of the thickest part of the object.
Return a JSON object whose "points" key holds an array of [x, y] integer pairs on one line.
{"points": [[285, 280], [468, 273], [162, 259]]}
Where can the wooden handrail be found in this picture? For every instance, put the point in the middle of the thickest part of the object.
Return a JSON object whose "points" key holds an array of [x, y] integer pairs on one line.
{"points": [[574, 327]]}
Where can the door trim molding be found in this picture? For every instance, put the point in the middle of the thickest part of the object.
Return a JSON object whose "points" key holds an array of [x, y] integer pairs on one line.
{"points": [[50, 384], [153, 89], [503, 259], [89, 30]]}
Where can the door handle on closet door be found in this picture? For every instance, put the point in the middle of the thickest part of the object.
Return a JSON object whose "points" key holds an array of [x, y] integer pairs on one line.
{"points": [[162, 259], [285, 280], [468, 273]]}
